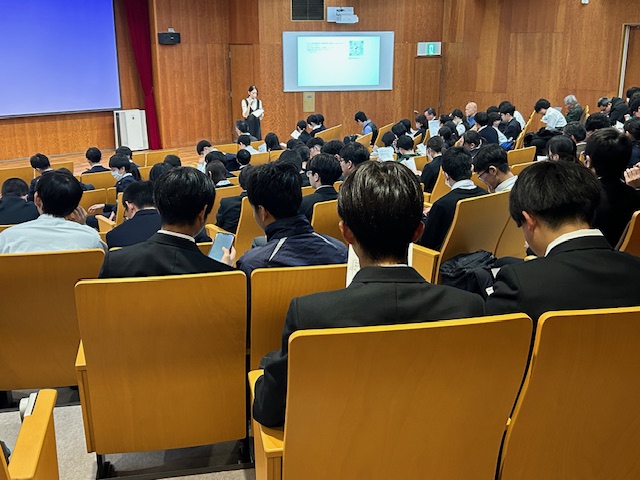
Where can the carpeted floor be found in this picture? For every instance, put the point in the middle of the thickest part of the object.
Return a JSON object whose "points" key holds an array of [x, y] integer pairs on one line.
{"points": [[76, 464]]}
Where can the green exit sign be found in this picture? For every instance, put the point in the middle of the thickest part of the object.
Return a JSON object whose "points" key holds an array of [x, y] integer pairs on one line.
{"points": [[429, 49]]}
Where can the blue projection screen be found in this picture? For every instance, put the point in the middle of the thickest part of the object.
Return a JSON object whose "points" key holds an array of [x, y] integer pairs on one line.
{"points": [[58, 56]]}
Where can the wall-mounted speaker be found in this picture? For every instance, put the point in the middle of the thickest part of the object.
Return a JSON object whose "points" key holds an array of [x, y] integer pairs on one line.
{"points": [[168, 38]]}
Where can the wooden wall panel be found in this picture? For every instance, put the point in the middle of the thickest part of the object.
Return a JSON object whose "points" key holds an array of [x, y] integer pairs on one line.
{"points": [[191, 80], [632, 77], [74, 132]]}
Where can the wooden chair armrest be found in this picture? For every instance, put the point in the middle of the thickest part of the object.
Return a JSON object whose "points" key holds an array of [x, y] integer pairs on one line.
{"points": [[272, 439], [104, 224], [212, 230], [425, 261]]}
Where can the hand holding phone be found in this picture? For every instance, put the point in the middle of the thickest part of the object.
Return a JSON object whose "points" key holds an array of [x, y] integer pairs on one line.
{"points": [[222, 240]]}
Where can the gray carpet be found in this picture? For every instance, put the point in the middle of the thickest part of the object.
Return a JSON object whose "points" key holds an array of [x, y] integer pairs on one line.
{"points": [[76, 464]]}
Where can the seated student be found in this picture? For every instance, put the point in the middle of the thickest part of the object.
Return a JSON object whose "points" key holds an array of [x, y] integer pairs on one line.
{"points": [[632, 130], [472, 141], [562, 149], [456, 165], [61, 224], [380, 206], [243, 129], [596, 121], [399, 129], [323, 171], [366, 125], [488, 134], [385, 154], [294, 157], [574, 109], [302, 127], [173, 160], [607, 154], [202, 148], [315, 146], [552, 117], [406, 153], [126, 151], [218, 173], [352, 155], [228, 214], [512, 127], [83, 186], [496, 122], [157, 170], [319, 124], [125, 174], [421, 128], [274, 191], [431, 170], [615, 108], [576, 268], [229, 161], [493, 170], [458, 119], [14, 206], [272, 142], [312, 122], [40, 164], [184, 197], [577, 133], [333, 147], [143, 219], [243, 158], [93, 156], [244, 142]]}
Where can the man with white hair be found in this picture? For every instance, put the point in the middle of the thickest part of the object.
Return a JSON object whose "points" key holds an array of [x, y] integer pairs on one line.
{"points": [[470, 111], [574, 109]]}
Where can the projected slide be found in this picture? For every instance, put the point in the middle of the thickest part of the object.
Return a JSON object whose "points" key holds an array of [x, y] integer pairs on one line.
{"points": [[352, 61], [58, 56]]}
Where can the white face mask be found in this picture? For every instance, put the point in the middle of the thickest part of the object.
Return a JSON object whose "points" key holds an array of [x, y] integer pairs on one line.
{"points": [[117, 175]]}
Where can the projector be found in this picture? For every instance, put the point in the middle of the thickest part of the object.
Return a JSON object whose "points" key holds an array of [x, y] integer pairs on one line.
{"points": [[346, 18]]}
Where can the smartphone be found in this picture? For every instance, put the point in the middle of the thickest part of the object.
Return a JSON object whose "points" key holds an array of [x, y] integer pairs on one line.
{"points": [[221, 240]]}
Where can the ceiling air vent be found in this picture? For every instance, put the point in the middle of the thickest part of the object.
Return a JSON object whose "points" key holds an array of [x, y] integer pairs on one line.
{"points": [[307, 9]]}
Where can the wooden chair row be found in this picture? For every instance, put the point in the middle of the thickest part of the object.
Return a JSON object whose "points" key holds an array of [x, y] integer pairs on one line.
{"points": [[520, 140], [331, 133], [27, 173], [437, 403]]}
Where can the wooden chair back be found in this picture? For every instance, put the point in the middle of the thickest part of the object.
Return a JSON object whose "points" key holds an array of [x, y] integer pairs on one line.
{"points": [[365, 139], [427, 136], [421, 161], [144, 172], [630, 240], [131, 366], [456, 381], [25, 173], [527, 127], [120, 210], [68, 164], [91, 197], [325, 219], [272, 290], [381, 132], [519, 167], [275, 155], [308, 190], [521, 155], [332, 133], [35, 455], [139, 158], [235, 180], [158, 156], [111, 195], [247, 230], [511, 242], [221, 193], [585, 115], [440, 189], [257, 144], [259, 158], [38, 325], [578, 409], [99, 180], [4, 227], [205, 247], [227, 148]]}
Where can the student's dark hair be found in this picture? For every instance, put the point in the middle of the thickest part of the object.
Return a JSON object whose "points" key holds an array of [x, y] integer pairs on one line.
{"points": [[482, 118], [634, 103], [272, 142], [456, 162], [507, 108], [302, 124], [326, 166], [456, 112], [332, 147], [444, 118], [399, 129], [603, 101], [215, 155], [60, 193], [563, 146], [405, 142], [244, 139], [120, 161], [493, 109], [435, 143], [558, 193], [609, 151], [277, 187], [632, 91], [124, 150], [355, 152], [157, 170], [472, 137], [491, 155], [320, 118], [93, 154], [575, 130], [243, 157], [540, 104], [381, 203], [422, 120], [40, 160], [173, 160], [447, 136], [15, 186], [596, 121], [139, 193], [202, 144], [430, 111], [493, 116], [312, 119], [313, 141], [454, 130], [632, 127], [242, 126], [244, 175], [292, 142], [292, 157], [181, 193], [304, 152], [360, 116], [251, 88], [407, 124], [388, 138], [217, 171]]}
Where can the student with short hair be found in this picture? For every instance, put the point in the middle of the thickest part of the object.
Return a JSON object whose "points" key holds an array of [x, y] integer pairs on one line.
{"points": [[577, 133], [202, 148], [512, 127], [352, 155], [431, 170], [552, 117], [173, 160], [93, 156], [228, 214], [323, 171], [315, 146], [333, 147], [493, 170], [404, 145], [14, 206], [366, 125], [142, 217], [40, 163]]}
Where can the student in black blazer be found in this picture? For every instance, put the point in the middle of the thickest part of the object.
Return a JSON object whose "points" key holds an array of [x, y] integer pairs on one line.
{"points": [[456, 164], [228, 214], [431, 170], [323, 171], [184, 197], [486, 131], [14, 207], [576, 268], [381, 206], [94, 155]]}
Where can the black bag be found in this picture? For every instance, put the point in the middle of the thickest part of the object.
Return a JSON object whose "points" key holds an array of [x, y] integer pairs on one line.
{"points": [[469, 271]]}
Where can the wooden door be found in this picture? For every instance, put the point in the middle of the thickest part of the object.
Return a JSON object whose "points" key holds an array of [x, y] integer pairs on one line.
{"points": [[632, 71], [426, 83]]}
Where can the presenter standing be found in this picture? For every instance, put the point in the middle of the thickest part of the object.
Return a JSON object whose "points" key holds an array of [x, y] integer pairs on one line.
{"points": [[253, 112]]}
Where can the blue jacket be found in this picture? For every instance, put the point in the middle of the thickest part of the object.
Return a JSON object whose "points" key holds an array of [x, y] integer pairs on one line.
{"points": [[291, 242]]}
